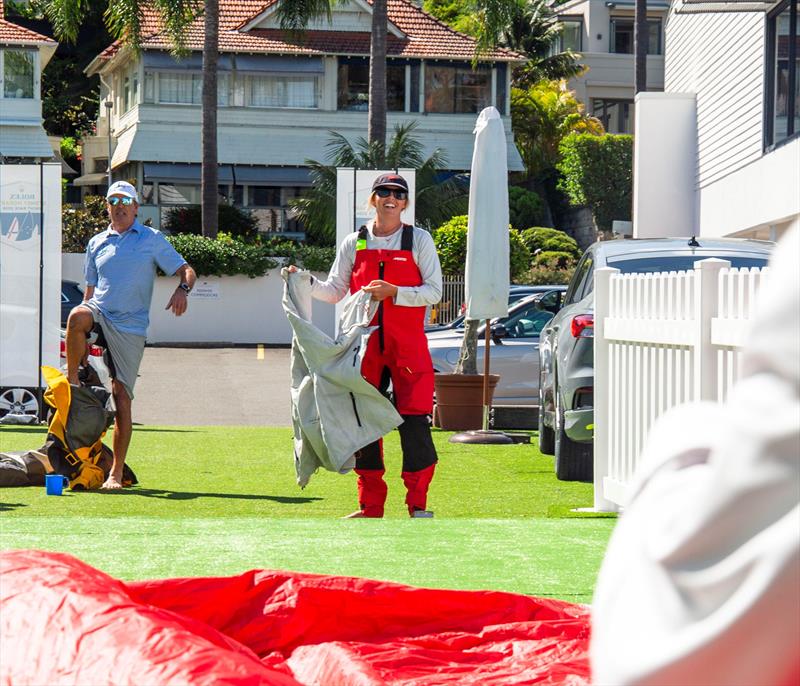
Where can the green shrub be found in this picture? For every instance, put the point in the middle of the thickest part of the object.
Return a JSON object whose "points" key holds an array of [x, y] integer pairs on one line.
{"points": [[596, 171], [237, 222], [225, 256], [316, 258], [554, 259], [542, 276], [525, 208], [550, 240], [70, 150], [79, 224], [451, 244]]}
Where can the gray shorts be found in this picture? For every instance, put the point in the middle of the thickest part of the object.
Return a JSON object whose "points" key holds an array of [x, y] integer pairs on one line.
{"points": [[126, 349]]}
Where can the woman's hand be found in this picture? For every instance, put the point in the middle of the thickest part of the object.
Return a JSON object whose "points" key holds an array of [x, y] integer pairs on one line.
{"points": [[380, 290]]}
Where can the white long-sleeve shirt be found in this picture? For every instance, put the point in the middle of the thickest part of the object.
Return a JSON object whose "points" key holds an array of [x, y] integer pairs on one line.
{"points": [[337, 285]]}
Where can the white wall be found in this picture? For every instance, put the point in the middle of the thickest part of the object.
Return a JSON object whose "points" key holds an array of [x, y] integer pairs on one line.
{"points": [[222, 310], [763, 194], [720, 58], [663, 163]]}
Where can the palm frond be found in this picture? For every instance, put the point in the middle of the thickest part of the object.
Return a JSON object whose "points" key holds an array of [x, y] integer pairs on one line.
{"points": [[295, 15], [66, 17]]}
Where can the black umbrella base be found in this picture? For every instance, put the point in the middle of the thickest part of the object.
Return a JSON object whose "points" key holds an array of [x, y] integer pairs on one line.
{"points": [[480, 436]]}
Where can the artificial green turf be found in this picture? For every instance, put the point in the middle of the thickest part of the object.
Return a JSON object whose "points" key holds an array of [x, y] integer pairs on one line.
{"points": [[219, 500]]}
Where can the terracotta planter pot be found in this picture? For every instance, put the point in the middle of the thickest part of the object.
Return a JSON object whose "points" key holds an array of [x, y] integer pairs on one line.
{"points": [[459, 400]]}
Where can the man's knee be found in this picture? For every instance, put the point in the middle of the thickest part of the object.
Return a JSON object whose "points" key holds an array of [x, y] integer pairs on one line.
{"points": [[80, 319]]}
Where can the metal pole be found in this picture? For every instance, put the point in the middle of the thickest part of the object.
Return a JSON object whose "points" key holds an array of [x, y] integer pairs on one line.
{"points": [[109, 104], [487, 338]]}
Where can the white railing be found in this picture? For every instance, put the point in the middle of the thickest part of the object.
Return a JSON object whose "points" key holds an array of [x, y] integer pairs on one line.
{"points": [[452, 299], [661, 340]]}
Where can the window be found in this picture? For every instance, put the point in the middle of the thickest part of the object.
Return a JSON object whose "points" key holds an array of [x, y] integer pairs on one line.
{"points": [[353, 85], [574, 292], [616, 116], [783, 75], [622, 36], [180, 89], [528, 322], [174, 194], [283, 91], [18, 73], [457, 89], [265, 196], [571, 37]]}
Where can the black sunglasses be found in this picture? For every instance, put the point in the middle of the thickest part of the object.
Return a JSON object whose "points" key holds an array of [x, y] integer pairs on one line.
{"points": [[386, 192], [116, 201]]}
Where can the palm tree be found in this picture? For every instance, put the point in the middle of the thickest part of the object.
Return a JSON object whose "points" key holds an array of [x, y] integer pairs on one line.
{"points": [[534, 30], [128, 21], [436, 201]]}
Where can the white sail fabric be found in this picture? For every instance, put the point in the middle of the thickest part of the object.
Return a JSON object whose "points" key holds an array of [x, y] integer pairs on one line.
{"points": [[487, 270]]}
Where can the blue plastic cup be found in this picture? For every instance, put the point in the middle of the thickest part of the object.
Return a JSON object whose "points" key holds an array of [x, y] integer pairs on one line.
{"points": [[54, 484]]}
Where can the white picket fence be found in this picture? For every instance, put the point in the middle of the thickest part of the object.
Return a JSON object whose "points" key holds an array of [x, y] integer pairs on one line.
{"points": [[661, 340]]}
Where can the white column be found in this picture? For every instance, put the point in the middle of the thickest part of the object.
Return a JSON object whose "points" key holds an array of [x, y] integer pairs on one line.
{"points": [[602, 400], [706, 304]]}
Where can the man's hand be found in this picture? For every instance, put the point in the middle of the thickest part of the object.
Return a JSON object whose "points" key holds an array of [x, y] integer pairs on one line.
{"points": [[380, 290], [178, 302]]}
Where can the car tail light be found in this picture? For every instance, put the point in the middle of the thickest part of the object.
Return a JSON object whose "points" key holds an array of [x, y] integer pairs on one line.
{"points": [[582, 326], [93, 350]]}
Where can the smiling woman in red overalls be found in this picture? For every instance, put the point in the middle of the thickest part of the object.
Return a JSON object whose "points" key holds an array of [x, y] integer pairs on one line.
{"points": [[399, 266]]}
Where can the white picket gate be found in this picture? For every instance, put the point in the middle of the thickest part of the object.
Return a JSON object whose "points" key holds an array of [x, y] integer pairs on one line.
{"points": [[660, 340]]}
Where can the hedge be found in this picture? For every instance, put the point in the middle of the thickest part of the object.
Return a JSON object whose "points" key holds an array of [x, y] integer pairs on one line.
{"points": [[544, 239], [525, 208], [596, 171], [451, 244], [238, 222]]}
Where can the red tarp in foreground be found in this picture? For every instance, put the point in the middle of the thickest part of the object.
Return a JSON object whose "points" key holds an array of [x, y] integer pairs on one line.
{"points": [[64, 622]]}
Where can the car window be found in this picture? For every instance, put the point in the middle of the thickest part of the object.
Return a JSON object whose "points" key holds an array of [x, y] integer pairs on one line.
{"points": [[678, 263], [550, 301], [578, 278], [588, 283], [527, 323]]}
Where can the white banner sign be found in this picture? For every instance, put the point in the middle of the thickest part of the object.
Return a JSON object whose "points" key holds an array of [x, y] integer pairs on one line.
{"points": [[30, 234]]}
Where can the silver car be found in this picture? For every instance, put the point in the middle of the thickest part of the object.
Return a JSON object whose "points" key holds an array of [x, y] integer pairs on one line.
{"points": [[514, 347], [566, 354]]}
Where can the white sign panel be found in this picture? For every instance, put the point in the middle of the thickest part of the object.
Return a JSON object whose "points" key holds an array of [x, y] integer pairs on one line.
{"points": [[205, 290], [30, 234]]}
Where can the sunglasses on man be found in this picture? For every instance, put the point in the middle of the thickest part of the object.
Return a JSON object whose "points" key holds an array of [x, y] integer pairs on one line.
{"points": [[120, 201], [386, 192]]}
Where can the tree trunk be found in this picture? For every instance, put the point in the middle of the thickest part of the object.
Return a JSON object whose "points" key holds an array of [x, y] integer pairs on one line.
{"points": [[377, 77], [209, 174], [468, 355], [640, 40]]}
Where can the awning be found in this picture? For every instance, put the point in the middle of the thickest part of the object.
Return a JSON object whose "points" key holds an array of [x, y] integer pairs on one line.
{"points": [[276, 64], [194, 61], [25, 140], [96, 179], [272, 176], [166, 172]]}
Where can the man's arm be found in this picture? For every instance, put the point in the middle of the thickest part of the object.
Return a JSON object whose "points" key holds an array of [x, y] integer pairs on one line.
{"points": [[179, 300], [88, 293]]}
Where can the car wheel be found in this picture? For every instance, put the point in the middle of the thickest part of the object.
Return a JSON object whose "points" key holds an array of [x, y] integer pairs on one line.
{"points": [[20, 402], [573, 460], [546, 434]]}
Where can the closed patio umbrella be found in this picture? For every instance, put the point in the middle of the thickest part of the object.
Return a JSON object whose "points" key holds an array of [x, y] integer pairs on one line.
{"points": [[487, 269]]}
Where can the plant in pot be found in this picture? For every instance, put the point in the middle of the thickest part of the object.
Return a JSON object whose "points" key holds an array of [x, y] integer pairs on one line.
{"points": [[459, 395]]}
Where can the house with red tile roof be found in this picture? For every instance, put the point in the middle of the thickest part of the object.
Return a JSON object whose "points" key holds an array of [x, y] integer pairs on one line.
{"points": [[280, 99], [23, 55]]}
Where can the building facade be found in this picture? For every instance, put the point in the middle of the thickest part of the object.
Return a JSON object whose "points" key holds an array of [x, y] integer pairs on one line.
{"points": [[23, 56], [601, 31], [718, 153], [279, 100]]}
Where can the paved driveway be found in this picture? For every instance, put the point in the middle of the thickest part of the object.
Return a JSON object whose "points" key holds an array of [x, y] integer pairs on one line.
{"points": [[213, 386]]}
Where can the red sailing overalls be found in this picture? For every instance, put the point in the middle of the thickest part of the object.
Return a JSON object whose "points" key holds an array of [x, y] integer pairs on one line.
{"points": [[397, 350]]}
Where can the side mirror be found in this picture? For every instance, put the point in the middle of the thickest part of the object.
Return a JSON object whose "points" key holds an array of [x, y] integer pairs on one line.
{"points": [[498, 333]]}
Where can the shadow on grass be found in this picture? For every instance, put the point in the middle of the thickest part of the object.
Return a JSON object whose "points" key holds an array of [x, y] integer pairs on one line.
{"points": [[19, 429], [6, 507], [141, 427], [190, 495], [566, 512]]}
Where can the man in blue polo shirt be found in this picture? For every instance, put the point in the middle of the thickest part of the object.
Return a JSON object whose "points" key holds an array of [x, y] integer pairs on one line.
{"points": [[120, 272]]}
